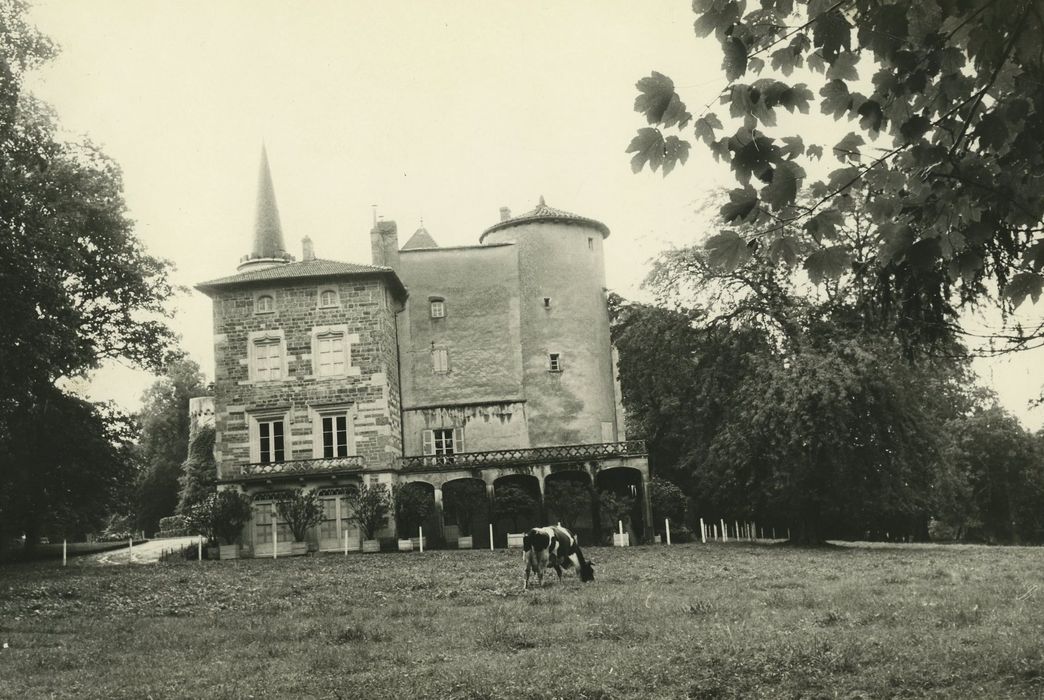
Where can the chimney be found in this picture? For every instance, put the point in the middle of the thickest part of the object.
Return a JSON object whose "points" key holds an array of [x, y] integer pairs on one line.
{"points": [[505, 213], [307, 249], [384, 244]]}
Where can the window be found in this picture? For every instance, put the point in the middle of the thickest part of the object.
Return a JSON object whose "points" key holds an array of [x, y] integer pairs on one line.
{"points": [[335, 436], [265, 515], [438, 308], [332, 355], [554, 362], [590, 243], [327, 298], [268, 359], [440, 360], [264, 304], [547, 302], [443, 441], [270, 441]]}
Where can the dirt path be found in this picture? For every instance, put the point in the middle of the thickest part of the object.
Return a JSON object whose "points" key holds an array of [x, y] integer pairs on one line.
{"points": [[147, 553]]}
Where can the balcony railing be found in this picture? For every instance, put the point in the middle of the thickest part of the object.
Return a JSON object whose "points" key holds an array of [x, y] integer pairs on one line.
{"points": [[298, 466], [530, 455]]}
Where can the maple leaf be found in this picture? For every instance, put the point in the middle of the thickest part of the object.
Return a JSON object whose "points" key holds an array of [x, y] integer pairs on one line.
{"points": [[814, 151], [794, 147], [847, 149], [727, 250], [742, 205], [1022, 285], [831, 33], [657, 92], [648, 147], [735, 61], [784, 249], [705, 127], [836, 99], [828, 263], [843, 67], [992, 130], [782, 190], [675, 150]]}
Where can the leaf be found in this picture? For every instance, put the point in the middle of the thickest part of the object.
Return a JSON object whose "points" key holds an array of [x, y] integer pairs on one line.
{"points": [[1034, 256], [828, 263], [735, 61], [715, 16], [843, 67], [1022, 285], [648, 147], [814, 151], [657, 93], [992, 130], [782, 190], [794, 147], [871, 116], [741, 204], [784, 249], [842, 177], [675, 150], [815, 62], [785, 60], [705, 127], [847, 149], [836, 99], [831, 32], [914, 128], [824, 224], [727, 250], [896, 239]]}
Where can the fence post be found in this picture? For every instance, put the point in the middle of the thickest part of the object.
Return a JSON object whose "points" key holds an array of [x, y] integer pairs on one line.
{"points": [[275, 539], [199, 550], [667, 522], [491, 537], [420, 531], [65, 547], [724, 533], [345, 543], [703, 532]]}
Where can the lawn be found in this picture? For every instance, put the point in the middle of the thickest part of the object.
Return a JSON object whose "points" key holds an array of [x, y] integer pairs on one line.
{"points": [[700, 621]]}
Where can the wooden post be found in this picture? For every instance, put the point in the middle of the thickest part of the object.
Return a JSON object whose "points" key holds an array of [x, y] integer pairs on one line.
{"points": [[715, 527], [788, 534], [754, 531], [275, 538], [199, 552], [703, 532], [491, 537], [667, 523], [724, 532], [345, 543], [735, 524], [65, 547], [420, 531], [130, 547], [621, 528]]}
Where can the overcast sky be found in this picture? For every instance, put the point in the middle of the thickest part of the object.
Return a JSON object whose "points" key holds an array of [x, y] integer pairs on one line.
{"points": [[441, 111]]}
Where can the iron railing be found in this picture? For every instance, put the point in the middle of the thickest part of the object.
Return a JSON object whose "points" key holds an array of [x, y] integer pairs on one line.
{"points": [[530, 455], [298, 466]]}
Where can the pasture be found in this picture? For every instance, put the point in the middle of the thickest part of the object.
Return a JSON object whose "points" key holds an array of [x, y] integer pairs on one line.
{"points": [[699, 621]]}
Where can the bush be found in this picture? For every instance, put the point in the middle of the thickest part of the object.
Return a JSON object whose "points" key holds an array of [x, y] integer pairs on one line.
{"points": [[668, 501], [514, 503], [301, 511], [413, 504], [466, 500], [369, 505], [615, 507], [221, 516], [569, 500], [173, 526]]}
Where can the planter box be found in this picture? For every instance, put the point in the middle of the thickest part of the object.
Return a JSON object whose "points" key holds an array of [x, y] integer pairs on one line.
{"points": [[623, 540], [229, 551], [371, 546], [212, 552], [656, 539], [417, 542], [406, 545], [515, 541], [464, 542]]}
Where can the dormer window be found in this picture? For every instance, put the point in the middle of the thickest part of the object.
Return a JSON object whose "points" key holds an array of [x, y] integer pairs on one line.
{"points": [[438, 308], [327, 298], [264, 304]]}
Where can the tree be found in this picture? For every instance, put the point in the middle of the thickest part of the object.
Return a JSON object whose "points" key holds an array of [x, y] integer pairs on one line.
{"points": [[163, 445], [614, 508], [221, 516], [369, 506], [569, 500], [668, 501], [466, 499], [413, 505], [515, 504], [199, 473], [301, 511], [77, 286], [955, 104]]}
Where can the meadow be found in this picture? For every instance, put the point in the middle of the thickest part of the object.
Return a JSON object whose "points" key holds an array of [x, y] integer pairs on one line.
{"points": [[686, 621]]}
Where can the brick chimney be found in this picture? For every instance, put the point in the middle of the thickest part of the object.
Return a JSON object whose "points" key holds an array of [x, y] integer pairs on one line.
{"points": [[307, 249], [384, 244], [505, 213]]}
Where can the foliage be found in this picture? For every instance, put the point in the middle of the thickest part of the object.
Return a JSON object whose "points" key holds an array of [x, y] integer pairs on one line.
{"points": [[369, 506], [414, 504], [466, 500], [301, 511], [668, 501], [173, 526], [615, 507], [514, 503], [163, 445], [569, 500], [199, 473], [944, 155], [221, 516]]}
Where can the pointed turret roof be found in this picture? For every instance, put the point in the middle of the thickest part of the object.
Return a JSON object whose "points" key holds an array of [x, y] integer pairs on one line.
{"points": [[268, 231], [420, 239], [542, 212]]}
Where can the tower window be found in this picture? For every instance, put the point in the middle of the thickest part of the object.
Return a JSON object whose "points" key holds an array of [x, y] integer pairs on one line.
{"points": [[547, 302], [327, 298], [264, 304], [590, 243], [335, 436], [270, 436], [268, 359], [443, 442], [554, 362], [440, 360], [438, 308], [332, 354]]}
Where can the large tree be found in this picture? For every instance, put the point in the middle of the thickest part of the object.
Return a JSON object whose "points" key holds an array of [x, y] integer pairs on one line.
{"points": [[947, 105], [76, 285]]}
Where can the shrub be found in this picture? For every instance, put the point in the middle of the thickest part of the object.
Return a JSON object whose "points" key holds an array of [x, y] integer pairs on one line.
{"points": [[466, 500], [369, 506], [413, 504], [514, 503], [614, 507], [668, 501], [301, 511], [173, 526], [569, 500], [221, 516]]}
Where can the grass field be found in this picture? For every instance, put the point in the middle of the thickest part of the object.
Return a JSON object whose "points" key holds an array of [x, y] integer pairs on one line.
{"points": [[700, 621]]}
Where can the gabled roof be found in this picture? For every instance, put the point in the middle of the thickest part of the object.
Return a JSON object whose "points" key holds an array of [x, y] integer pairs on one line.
{"points": [[304, 269], [420, 239], [542, 212]]}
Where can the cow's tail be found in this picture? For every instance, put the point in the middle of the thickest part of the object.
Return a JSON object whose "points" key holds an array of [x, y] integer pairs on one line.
{"points": [[527, 542]]}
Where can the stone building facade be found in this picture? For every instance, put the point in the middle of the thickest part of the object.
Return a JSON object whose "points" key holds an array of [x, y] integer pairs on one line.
{"points": [[431, 365]]}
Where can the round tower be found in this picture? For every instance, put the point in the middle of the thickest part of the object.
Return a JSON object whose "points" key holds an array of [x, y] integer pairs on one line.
{"points": [[566, 352]]}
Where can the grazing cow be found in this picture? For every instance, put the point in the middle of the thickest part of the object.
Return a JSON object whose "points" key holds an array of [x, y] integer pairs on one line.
{"points": [[556, 546]]}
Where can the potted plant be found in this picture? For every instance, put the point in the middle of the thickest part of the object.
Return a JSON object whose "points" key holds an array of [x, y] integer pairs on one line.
{"points": [[302, 511], [514, 503], [369, 505], [467, 500], [414, 503], [221, 517]]}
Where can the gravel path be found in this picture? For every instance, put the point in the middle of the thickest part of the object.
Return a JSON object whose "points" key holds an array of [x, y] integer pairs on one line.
{"points": [[147, 553]]}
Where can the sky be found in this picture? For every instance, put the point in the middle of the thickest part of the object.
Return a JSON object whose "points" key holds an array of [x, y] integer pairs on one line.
{"points": [[437, 112]]}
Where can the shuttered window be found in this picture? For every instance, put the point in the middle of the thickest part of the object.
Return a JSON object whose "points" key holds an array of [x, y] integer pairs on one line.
{"points": [[443, 441], [268, 359]]}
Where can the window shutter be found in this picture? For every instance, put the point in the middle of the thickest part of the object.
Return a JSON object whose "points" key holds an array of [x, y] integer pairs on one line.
{"points": [[428, 442], [458, 440]]}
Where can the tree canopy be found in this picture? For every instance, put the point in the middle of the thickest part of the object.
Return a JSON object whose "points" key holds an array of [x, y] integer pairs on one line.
{"points": [[943, 156]]}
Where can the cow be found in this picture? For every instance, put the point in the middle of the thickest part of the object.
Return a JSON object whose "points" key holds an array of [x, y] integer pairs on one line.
{"points": [[556, 546]]}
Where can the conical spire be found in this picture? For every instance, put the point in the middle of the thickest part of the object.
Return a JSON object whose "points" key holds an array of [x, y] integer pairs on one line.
{"points": [[268, 232], [269, 248]]}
